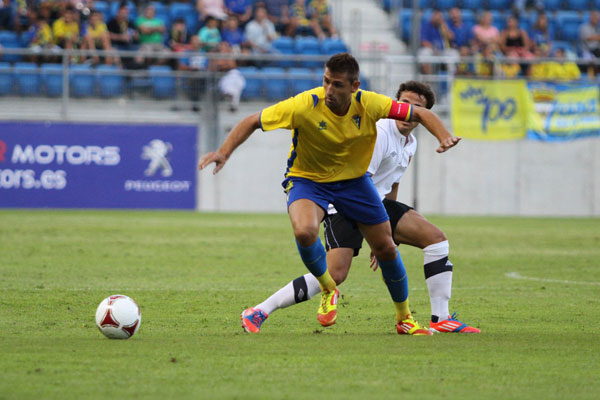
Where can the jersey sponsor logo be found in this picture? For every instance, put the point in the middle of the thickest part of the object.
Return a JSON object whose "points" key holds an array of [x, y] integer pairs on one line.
{"points": [[357, 119], [322, 125]]}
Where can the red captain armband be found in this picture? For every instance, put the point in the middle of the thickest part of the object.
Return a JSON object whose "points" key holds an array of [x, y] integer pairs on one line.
{"points": [[401, 111]]}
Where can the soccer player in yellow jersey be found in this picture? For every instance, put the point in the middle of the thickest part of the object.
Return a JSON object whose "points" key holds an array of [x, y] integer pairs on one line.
{"points": [[332, 142]]}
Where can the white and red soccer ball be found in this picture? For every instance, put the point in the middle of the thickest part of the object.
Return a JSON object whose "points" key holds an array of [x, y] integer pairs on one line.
{"points": [[118, 317]]}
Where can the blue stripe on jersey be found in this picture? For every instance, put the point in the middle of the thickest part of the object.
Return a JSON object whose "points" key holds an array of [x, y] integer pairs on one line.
{"points": [[315, 100], [293, 154], [260, 120], [358, 95]]}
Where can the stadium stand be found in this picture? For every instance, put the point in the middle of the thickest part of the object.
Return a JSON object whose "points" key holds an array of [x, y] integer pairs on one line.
{"points": [[27, 78], [82, 80], [6, 79], [109, 81], [52, 79]]}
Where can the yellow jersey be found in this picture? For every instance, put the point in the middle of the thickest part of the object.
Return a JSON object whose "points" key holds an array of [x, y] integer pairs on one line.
{"points": [[62, 30], [327, 147]]}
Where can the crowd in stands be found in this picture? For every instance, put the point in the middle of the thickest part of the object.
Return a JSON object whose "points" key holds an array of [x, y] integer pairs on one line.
{"points": [[522, 44]]}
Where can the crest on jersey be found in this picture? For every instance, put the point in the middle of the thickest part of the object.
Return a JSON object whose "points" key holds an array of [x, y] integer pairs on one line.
{"points": [[356, 119], [322, 125]]}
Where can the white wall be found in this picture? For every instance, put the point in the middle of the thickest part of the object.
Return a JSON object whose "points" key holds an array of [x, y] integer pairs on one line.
{"points": [[475, 178]]}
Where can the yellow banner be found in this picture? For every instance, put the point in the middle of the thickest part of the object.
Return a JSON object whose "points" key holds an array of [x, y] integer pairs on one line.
{"points": [[490, 110]]}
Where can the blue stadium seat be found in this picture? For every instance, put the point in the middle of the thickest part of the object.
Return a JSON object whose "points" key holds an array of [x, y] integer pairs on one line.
{"points": [[163, 81], [595, 4], [8, 36], [103, 7], [6, 79], [475, 5], [27, 78], [423, 4], [333, 46], [109, 80], [302, 79], [274, 83], [364, 83], [552, 5], [82, 80], [253, 88], [307, 46], [284, 45], [189, 15], [10, 40], [405, 23], [52, 79], [499, 19], [162, 13], [469, 18], [578, 5], [568, 23], [501, 5], [446, 4]]}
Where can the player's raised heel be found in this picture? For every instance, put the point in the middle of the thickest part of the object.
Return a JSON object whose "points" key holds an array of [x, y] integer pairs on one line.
{"points": [[452, 325], [327, 313], [252, 319], [411, 327]]}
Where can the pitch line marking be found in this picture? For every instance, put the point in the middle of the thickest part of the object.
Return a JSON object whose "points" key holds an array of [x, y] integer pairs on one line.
{"points": [[516, 275]]}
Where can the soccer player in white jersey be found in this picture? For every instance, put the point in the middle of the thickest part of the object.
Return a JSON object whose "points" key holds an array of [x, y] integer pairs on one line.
{"points": [[394, 149]]}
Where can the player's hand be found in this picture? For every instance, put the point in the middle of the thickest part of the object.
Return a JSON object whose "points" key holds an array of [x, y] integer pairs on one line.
{"points": [[212, 157], [374, 264], [448, 143]]}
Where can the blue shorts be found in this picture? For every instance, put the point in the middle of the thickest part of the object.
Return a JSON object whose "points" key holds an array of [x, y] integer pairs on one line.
{"points": [[357, 199]]}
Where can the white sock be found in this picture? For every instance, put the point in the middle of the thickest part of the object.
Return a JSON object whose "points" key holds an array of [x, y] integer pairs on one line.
{"points": [[296, 291], [438, 274]]}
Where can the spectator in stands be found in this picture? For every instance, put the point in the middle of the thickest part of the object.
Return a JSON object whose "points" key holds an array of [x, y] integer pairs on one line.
{"points": [[151, 34], [196, 61], [463, 33], [66, 30], [464, 67], [485, 33], [39, 36], [178, 37], [589, 34], [485, 65], [558, 69], [301, 22], [541, 38], [278, 12], [6, 17], [122, 32], [209, 35], [211, 8], [436, 40], [96, 37], [232, 83], [260, 32], [242, 9], [321, 16], [234, 35], [514, 41]]}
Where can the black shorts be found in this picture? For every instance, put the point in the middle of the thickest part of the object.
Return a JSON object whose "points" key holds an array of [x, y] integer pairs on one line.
{"points": [[344, 233]]}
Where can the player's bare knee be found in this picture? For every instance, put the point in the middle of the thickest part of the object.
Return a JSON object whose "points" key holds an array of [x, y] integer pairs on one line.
{"points": [[306, 237], [338, 276], [434, 236], [386, 253]]}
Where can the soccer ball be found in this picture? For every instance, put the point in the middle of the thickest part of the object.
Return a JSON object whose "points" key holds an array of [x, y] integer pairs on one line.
{"points": [[118, 317]]}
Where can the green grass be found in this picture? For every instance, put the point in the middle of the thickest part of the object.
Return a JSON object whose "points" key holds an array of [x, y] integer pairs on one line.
{"points": [[192, 274]]}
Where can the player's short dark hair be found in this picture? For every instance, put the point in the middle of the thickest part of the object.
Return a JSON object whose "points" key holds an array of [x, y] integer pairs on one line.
{"points": [[419, 88], [344, 62]]}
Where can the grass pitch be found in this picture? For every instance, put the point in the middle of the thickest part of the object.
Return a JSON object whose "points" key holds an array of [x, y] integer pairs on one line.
{"points": [[531, 285]]}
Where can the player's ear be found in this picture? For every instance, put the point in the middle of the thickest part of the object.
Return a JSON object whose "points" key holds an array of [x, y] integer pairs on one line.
{"points": [[355, 85]]}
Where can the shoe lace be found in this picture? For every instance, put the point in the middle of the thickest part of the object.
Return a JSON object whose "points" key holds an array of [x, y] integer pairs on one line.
{"points": [[453, 317], [258, 318], [324, 302]]}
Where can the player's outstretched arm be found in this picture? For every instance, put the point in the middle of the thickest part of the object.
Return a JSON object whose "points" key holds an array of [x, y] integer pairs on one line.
{"points": [[236, 137], [434, 124]]}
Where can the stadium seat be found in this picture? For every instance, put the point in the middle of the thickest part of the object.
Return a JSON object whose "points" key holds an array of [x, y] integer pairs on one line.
{"points": [[274, 83], [253, 88], [8, 36], [10, 40], [552, 5], [302, 79], [52, 79], [27, 78], [499, 19], [405, 23], [163, 81], [469, 18], [500, 5], [109, 80], [309, 45], [103, 7], [284, 45], [475, 5], [446, 4], [162, 13], [578, 5], [189, 15], [333, 46], [82, 80], [568, 23], [6, 79]]}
